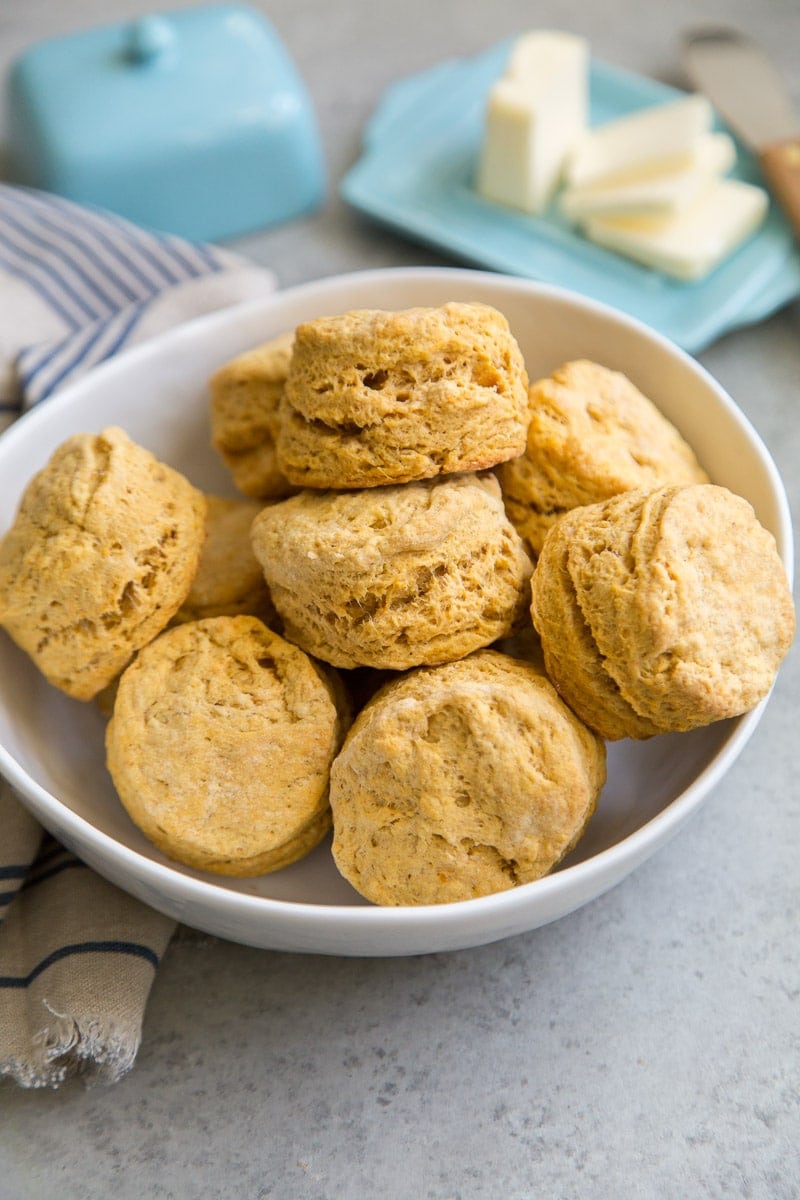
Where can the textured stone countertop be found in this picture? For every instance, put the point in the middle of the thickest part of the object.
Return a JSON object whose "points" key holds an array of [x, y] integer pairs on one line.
{"points": [[644, 1047]]}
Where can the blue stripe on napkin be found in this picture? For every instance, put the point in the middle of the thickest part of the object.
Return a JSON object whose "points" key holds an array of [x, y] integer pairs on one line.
{"points": [[96, 272], [134, 948], [17, 871]]}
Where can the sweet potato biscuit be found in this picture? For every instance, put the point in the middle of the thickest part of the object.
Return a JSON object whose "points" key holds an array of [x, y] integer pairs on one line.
{"points": [[461, 780], [375, 397], [101, 555], [678, 611], [229, 580], [394, 577], [221, 743], [245, 399], [570, 653], [592, 435]]}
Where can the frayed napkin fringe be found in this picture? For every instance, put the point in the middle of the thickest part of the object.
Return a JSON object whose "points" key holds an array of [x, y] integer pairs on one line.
{"points": [[66, 1048]]}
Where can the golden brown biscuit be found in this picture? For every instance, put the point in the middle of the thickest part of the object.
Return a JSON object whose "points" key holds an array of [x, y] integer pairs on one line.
{"points": [[221, 743], [375, 397], [394, 577], [245, 399], [592, 435], [570, 653], [662, 611], [461, 780], [101, 555], [229, 581]]}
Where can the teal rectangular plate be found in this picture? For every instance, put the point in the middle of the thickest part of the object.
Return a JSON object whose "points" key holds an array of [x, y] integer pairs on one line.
{"points": [[416, 175]]}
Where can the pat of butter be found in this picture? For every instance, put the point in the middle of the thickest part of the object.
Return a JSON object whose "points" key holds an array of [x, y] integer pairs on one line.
{"points": [[656, 138], [656, 193], [691, 243], [534, 116], [537, 57]]}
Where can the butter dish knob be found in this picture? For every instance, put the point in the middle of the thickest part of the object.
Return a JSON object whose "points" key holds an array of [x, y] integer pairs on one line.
{"points": [[147, 40]]}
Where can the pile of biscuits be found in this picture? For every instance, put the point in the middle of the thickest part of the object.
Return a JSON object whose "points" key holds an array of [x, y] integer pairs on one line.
{"points": [[443, 591]]}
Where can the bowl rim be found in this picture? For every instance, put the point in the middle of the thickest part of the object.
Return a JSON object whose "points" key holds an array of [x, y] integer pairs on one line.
{"points": [[274, 299], [583, 878], [583, 875]]}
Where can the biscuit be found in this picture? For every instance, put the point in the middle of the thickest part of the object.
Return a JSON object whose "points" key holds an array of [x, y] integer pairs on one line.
{"points": [[245, 399], [394, 577], [375, 398], [229, 580], [462, 780], [221, 743], [592, 435], [570, 654], [662, 611], [101, 555]]}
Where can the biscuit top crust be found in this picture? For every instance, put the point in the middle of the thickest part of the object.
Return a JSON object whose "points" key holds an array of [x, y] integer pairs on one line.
{"points": [[376, 397], [682, 610], [593, 429], [461, 780], [101, 554], [698, 615], [463, 345], [375, 530], [570, 653], [221, 742], [592, 435]]}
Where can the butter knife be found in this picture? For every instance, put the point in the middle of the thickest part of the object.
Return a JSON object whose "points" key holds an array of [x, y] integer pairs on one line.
{"points": [[748, 91]]}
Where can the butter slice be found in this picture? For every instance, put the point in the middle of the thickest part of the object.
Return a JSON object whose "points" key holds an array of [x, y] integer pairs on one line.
{"points": [[691, 243], [653, 139], [656, 193], [534, 116]]}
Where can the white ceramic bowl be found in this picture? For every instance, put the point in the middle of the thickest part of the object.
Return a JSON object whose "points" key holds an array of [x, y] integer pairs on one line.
{"points": [[51, 747]]}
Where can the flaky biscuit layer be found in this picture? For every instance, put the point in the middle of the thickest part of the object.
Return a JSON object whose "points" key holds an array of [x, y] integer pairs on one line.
{"points": [[375, 398], [394, 577]]}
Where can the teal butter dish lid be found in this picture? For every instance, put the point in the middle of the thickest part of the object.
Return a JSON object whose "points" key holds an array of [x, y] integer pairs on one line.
{"points": [[193, 122]]}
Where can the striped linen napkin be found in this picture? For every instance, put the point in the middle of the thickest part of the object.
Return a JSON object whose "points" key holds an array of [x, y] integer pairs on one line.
{"points": [[79, 285], [77, 955]]}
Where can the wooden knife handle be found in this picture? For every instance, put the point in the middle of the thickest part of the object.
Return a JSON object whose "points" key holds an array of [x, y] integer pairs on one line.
{"points": [[780, 162]]}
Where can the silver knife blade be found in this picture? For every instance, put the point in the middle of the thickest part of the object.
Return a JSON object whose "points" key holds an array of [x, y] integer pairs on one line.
{"points": [[742, 84]]}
